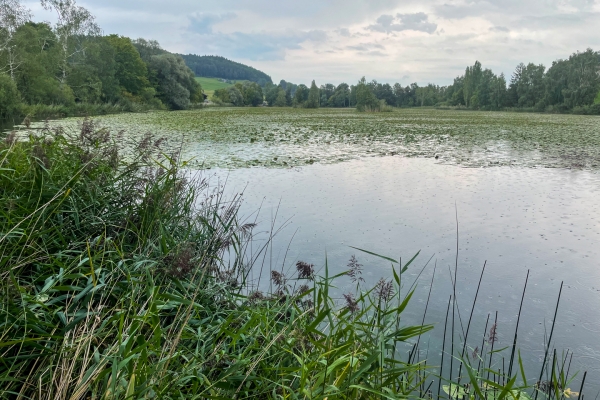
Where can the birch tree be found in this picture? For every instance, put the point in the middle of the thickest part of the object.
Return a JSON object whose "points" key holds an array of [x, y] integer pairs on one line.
{"points": [[74, 24], [12, 15]]}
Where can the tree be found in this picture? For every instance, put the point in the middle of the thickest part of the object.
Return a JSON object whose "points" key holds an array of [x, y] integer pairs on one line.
{"points": [[175, 83], [365, 99], [131, 71], [280, 101], [288, 95], [301, 96], [39, 56], [74, 24], [313, 96], [12, 15], [10, 100], [252, 93]]}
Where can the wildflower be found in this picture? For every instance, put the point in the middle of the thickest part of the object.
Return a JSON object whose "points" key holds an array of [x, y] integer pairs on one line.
{"points": [[568, 393], [305, 270]]}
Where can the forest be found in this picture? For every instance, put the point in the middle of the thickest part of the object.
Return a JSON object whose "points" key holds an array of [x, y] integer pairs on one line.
{"points": [[569, 85], [59, 68], [72, 68], [220, 67]]}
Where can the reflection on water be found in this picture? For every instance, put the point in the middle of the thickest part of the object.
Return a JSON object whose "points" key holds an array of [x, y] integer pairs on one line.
{"points": [[544, 220]]}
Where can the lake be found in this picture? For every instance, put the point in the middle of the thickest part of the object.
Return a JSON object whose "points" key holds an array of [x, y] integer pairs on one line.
{"points": [[523, 188]]}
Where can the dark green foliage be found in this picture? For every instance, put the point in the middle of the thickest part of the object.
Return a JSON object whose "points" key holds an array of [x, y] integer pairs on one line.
{"points": [[95, 70], [251, 92], [10, 98], [174, 81], [220, 67], [365, 98], [230, 95], [313, 100], [131, 71], [301, 96]]}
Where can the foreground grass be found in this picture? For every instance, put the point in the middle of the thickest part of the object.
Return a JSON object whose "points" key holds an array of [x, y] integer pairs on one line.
{"points": [[122, 277]]}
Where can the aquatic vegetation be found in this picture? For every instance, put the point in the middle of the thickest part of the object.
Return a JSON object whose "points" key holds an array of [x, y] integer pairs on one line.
{"points": [[243, 137], [125, 277]]}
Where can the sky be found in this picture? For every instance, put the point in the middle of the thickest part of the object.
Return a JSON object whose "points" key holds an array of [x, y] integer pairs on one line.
{"points": [[335, 41]]}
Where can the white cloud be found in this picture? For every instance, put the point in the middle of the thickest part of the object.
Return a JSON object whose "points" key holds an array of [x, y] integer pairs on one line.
{"points": [[342, 40]]}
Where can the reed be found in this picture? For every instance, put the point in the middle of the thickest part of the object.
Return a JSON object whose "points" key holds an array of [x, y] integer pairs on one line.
{"points": [[124, 276]]}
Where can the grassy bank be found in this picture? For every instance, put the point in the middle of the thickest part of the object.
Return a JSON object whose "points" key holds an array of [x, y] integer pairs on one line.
{"points": [[123, 276]]}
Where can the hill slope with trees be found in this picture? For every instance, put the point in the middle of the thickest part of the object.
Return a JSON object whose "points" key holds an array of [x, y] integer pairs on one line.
{"points": [[220, 67], [70, 68]]}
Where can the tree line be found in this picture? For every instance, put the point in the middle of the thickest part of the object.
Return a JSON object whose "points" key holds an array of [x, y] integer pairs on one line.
{"points": [[569, 85], [220, 67], [70, 62]]}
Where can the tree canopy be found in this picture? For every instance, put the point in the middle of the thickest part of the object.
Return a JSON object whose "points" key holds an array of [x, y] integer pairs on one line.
{"points": [[70, 62], [220, 67]]}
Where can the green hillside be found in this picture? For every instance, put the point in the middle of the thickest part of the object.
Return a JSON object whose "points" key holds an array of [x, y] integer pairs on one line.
{"points": [[220, 67], [209, 85]]}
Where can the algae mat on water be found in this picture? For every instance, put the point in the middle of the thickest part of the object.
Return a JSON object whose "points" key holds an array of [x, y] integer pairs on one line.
{"points": [[284, 137]]}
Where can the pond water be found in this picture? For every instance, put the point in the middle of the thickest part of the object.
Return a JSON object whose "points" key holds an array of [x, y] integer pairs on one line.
{"points": [[517, 219], [524, 189]]}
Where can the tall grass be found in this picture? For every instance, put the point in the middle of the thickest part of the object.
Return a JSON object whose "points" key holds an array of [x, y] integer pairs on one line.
{"points": [[123, 276]]}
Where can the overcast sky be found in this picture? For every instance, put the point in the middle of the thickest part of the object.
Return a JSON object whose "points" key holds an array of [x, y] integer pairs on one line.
{"points": [[336, 41]]}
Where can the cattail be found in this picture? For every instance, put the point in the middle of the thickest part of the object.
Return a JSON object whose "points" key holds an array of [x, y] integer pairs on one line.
{"points": [[351, 303], [305, 270]]}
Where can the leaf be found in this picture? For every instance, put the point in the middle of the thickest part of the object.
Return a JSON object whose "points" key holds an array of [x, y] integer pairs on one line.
{"points": [[376, 255]]}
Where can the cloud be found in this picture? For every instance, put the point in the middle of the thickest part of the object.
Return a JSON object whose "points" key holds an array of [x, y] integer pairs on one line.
{"points": [[258, 46], [203, 23], [499, 29], [343, 32], [366, 46], [403, 22]]}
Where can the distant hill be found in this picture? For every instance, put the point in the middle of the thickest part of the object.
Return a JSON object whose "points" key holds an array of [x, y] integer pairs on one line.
{"points": [[220, 67]]}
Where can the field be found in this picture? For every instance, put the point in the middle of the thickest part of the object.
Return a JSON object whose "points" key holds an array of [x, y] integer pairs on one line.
{"points": [[211, 84], [239, 137]]}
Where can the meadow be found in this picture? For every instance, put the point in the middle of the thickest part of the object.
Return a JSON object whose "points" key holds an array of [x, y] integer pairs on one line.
{"points": [[209, 85]]}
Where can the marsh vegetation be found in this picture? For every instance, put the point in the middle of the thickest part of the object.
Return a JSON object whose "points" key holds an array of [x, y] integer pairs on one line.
{"points": [[123, 276]]}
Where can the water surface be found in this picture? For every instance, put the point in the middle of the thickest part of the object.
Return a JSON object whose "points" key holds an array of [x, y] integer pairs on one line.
{"points": [[517, 219]]}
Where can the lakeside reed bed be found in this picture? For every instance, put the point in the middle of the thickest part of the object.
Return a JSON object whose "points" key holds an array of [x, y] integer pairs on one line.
{"points": [[124, 276]]}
